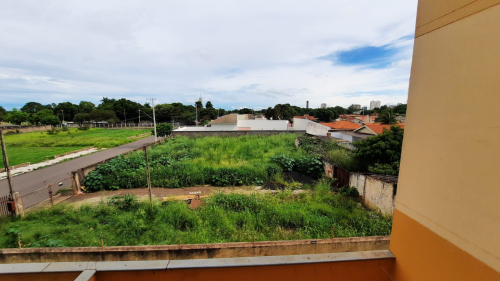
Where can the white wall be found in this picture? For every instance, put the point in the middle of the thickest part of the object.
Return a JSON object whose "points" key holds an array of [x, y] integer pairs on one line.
{"points": [[215, 127], [339, 135], [278, 125], [300, 124], [317, 129]]}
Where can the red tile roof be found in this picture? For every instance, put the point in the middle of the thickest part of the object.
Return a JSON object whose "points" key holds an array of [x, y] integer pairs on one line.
{"points": [[379, 128], [342, 125], [307, 116]]}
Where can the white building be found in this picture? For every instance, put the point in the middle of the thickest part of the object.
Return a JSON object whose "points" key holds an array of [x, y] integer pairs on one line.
{"points": [[374, 104], [247, 122], [323, 105]]}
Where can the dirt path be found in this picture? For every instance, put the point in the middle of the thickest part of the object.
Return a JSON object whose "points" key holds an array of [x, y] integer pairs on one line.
{"points": [[90, 198]]}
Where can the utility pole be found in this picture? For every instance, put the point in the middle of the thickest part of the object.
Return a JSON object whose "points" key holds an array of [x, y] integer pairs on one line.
{"points": [[6, 164], [154, 117], [139, 117], [14, 196], [196, 114], [62, 111], [125, 117], [147, 171]]}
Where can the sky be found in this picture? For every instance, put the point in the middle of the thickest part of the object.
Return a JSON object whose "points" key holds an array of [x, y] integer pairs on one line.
{"points": [[236, 54]]}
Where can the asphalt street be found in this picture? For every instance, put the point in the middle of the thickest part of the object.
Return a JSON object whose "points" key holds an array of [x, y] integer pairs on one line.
{"points": [[31, 181]]}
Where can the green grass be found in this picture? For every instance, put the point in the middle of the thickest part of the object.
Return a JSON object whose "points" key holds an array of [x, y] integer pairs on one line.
{"points": [[222, 218], [39, 146], [182, 162]]}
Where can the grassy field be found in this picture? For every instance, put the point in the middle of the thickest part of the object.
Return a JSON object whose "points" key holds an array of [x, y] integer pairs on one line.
{"points": [[39, 146], [222, 218], [218, 161]]}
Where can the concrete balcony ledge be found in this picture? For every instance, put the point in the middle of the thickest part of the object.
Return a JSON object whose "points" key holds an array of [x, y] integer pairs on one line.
{"points": [[195, 251], [97, 266]]}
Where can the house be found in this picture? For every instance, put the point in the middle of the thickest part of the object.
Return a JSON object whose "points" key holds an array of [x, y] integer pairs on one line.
{"points": [[307, 117], [342, 126], [401, 119], [376, 128]]}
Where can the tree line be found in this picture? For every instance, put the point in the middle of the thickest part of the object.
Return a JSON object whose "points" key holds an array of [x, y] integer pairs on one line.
{"points": [[124, 110]]}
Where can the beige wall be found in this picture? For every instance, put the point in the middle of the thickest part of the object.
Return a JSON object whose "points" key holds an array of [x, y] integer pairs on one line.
{"points": [[451, 152]]}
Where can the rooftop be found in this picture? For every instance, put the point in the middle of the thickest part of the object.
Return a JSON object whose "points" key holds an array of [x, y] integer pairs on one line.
{"points": [[226, 119], [342, 125]]}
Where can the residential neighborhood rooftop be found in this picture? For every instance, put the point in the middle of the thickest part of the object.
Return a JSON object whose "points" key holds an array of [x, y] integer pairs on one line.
{"points": [[226, 119], [342, 125]]}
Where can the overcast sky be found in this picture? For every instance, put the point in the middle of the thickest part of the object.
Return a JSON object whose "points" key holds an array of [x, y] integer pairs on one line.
{"points": [[234, 53]]}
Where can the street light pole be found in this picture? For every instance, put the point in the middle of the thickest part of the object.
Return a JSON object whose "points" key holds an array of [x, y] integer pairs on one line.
{"points": [[154, 117]]}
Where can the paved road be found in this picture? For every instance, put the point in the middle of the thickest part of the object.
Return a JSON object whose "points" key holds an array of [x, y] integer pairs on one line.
{"points": [[61, 172]]}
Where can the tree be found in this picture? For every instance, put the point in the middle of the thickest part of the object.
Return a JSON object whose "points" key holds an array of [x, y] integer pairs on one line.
{"points": [[340, 110], [400, 109], [381, 153], [46, 116], [102, 115], [387, 117], [198, 104], [50, 120], [81, 118], [163, 129], [32, 107], [17, 117], [85, 107], [66, 111], [3, 113], [209, 105]]}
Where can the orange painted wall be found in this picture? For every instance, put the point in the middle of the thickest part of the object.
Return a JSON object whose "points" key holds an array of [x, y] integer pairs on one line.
{"points": [[423, 255], [447, 218], [374, 270]]}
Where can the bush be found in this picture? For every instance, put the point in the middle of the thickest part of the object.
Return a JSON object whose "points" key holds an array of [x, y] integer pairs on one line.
{"points": [[163, 130], [123, 202], [284, 161], [311, 166], [84, 128], [349, 191], [53, 131], [273, 170]]}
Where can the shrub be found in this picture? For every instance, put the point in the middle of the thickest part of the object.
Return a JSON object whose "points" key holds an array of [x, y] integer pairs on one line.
{"points": [[311, 166], [84, 128], [163, 130], [53, 131], [284, 161], [349, 191], [273, 170], [123, 202]]}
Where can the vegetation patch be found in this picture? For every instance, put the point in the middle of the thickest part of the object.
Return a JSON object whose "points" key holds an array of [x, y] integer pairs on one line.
{"points": [[40, 146], [124, 221], [218, 161]]}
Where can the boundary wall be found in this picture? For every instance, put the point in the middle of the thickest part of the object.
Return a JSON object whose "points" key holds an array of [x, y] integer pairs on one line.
{"points": [[378, 192], [233, 133]]}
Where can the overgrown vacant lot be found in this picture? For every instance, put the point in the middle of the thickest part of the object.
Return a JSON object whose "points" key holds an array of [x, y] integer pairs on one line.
{"points": [[222, 218], [39, 146], [218, 161]]}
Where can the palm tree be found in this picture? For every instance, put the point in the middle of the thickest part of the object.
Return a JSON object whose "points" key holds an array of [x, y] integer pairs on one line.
{"points": [[387, 117]]}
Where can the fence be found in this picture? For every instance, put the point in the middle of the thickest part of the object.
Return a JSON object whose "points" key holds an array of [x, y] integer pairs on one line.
{"points": [[44, 194], [28, 129], [112, 126], [4, 208]]}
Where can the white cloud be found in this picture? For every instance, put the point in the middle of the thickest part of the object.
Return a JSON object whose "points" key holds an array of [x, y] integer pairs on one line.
{"points": [[236, 53]]}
